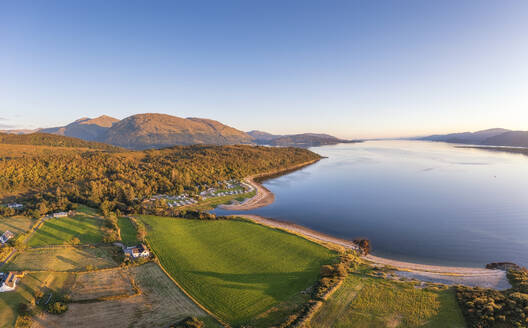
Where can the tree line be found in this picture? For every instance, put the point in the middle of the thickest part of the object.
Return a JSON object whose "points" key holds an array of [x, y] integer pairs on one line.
{"points": [[122, 180]]}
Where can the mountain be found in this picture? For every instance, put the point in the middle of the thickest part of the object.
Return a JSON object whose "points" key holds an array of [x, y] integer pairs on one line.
{"points": [[295, 140], [490, 137], [46, 139], [145, 131], [91, 129], [476, 138], [510, 138], [262, 137], [19, 131]]}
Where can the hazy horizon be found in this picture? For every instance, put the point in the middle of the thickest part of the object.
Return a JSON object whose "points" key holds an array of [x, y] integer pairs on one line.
{"points": [[350, 69]]}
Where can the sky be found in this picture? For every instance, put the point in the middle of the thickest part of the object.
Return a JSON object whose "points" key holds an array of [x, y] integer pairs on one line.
{"points": [[354, 69]]}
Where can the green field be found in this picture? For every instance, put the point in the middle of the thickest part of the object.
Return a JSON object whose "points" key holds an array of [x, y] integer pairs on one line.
{"points": [[365, 302], [236, 269], [128, 231], [61, 230], [24, 293]]}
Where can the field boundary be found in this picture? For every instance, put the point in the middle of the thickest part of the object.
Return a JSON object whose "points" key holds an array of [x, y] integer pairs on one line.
{"points": [[214, 316]]}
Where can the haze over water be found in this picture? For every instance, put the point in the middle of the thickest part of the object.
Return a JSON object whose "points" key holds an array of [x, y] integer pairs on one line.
{"points": [[416, 201]]}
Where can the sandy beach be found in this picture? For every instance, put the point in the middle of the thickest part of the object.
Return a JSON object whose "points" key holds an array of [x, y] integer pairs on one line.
{"points": [[263, 196], [449, 275]]}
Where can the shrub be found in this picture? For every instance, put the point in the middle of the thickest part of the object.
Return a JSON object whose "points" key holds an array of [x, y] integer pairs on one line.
{"points": [[57, 307], [190, 322]]}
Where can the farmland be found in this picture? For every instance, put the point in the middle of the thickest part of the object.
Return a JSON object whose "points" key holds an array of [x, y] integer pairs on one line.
{"points": [[128, 231], [365, 301], [16, 224], [159, 303], [235, 268], [62, 230], [63, 259]]}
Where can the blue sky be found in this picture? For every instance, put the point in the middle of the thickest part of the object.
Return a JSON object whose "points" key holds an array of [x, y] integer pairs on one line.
{"points": [[350, 68]]}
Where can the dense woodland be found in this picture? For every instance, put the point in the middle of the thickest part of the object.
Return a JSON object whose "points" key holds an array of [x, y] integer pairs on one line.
{"points": [[45, 139], [122, 180]]}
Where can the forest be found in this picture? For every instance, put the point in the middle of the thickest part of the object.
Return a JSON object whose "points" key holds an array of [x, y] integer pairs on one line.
{"points": [[112, 181]]}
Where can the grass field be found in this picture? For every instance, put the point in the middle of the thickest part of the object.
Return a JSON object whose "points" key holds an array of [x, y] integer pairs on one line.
{"points": [[61, 230], [25, 292], [101, 284], [16, 224], [63, 259], [128, 231], [236, 269], [366, 302], [160, 303]]}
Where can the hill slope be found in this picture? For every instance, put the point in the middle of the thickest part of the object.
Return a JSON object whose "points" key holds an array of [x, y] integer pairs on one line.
{"points": [[85, 128], [145, 131], [510, 138], [466, 137], [46, 139]]}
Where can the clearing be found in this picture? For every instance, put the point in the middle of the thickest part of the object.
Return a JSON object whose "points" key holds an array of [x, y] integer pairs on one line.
{"points": [[61, 231], [235, 268], [128, 231], [159, 303], [64, 258], [366, 301]]}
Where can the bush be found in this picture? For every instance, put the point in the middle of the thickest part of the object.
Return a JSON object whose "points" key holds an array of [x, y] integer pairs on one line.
{"points": [[57, 307], [190, 322]]}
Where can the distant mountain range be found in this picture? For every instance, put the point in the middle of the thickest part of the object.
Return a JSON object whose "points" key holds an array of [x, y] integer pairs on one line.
{"points": [[296, 140], [145, 131], [490, 137]]}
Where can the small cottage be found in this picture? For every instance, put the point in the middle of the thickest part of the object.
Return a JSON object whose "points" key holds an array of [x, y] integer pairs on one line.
{"points": [[8, 281], [6, 236], [137, 251]]}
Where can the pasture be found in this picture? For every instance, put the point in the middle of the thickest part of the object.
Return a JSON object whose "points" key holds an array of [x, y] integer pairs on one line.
{"points": [[101, 284], [159, 304], [128, 231], [61, 231], [236, 269], [16, 224], [364, 301], [64, 259]]}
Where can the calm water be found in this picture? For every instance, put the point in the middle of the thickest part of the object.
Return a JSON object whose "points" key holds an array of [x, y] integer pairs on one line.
{"points": [[417, 201]]}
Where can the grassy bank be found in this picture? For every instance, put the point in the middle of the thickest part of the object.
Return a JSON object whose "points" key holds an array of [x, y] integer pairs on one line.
{"points": [[366, 301], [236, 269]]}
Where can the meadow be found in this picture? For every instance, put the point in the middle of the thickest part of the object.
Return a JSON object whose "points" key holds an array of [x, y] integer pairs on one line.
{"points": [[364, 301], [160, 302], [16, 224], [235, 268], [128, 231], [64, 259], [61, 231]]}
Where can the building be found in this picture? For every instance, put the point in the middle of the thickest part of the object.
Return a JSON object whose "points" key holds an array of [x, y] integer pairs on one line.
{"points": [[8, 281], [15, 206], [60, 215], [6, 236], [137, 251]]}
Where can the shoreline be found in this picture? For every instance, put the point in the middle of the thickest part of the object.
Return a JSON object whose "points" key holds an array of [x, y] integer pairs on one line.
{"points": [[264, 197], [449, 275]]}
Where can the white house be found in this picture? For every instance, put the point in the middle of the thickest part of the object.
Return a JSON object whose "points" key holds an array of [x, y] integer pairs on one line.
{"points": [[16, 206], [7, 281], [137, 251], [60, 215], [6, 236]]}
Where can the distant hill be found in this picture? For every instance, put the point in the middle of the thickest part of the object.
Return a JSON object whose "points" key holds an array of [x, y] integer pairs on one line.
{"points": [[46, 139], [491, 137], [262, 136], [295, 140], [510, 138], [145, 131], [91, 129]]}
